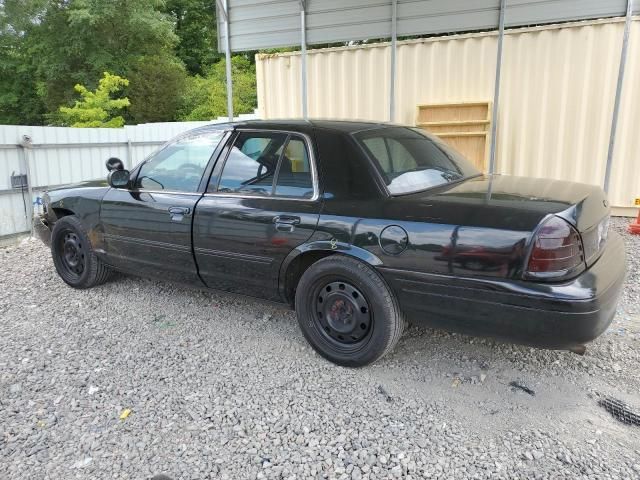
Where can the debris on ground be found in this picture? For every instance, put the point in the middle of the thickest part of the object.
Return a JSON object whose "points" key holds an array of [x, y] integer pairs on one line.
{"points": [[520, 386], [620, 411], [385, 394]]}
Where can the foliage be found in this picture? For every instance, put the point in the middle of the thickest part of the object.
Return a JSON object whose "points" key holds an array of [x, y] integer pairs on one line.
{"points": [[84, 38], [156, 84], [205, 97], [47, 46], [19, 100], [195, 25], [96, 108]]}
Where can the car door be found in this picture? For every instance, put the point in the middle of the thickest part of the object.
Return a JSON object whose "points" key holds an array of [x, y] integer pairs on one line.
{"points": [[261, 203], [147, 228]]}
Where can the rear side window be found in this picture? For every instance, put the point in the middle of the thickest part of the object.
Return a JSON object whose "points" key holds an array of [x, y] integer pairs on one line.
{"points": [[411, 160], [268, 164], [294, 174]]}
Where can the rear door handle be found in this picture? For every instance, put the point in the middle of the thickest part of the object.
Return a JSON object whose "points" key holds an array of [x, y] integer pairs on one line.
{"points": [[178, 213], [286, 223]]}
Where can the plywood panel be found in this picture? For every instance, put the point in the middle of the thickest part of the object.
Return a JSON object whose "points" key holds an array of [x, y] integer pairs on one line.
{"points": [[465, 126]]}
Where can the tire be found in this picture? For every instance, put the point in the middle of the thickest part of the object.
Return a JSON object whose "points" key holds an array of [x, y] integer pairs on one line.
{"points": [[73, 255], [347, 312]]}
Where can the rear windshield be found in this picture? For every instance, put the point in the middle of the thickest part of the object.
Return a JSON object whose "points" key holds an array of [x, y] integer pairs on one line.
{"points": [[411, 160]]}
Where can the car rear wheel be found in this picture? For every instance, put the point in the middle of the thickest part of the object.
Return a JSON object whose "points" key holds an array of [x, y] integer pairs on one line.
{"points": [[347, 312], [73, 256]]}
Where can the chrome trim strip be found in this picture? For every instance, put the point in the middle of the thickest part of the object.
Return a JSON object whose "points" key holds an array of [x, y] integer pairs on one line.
{"points": [[233, 255], [151, 243], [260, 197], [169, 192]]}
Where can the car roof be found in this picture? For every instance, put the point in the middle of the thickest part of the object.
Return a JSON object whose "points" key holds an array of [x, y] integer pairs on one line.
{"points": [[299, 125]]}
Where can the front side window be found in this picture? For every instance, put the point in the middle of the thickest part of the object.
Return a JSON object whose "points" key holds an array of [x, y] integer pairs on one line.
{"points": [[266, 164], [179, 166], [410, 160]]}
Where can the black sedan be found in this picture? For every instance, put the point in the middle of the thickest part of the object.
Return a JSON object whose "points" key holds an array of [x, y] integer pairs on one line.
{"points": [[358, 226]]}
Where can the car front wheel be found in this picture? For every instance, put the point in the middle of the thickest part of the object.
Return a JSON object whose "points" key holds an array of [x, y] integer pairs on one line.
{"points": [[347, 312], [73, 256]]}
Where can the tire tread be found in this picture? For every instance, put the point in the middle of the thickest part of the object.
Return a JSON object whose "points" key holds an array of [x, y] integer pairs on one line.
{"points": [[98, 273], [395, 319]]}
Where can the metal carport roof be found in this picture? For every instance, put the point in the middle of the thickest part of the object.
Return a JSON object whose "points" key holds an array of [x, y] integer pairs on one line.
{"points": [[276, 23], [253, 25]]}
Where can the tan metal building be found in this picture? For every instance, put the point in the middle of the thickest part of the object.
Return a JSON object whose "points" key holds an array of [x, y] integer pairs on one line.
{"points": [[556, 106]]}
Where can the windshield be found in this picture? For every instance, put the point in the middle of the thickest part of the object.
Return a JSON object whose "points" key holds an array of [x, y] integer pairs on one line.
{"points": [[412, 160]]}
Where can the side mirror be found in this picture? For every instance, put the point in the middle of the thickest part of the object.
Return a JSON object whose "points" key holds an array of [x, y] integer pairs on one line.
{"points": [[118, 178], [114, 163]]}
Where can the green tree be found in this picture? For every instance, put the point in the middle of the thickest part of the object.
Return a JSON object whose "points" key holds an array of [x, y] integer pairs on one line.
{"points": [[83, 38], [205, 98], [155, 91], [20, 101], [96, 109], [47, 46], [196, 28]]}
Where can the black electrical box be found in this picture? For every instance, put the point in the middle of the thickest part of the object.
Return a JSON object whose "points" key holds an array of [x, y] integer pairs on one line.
{"points": [[19, 180]]}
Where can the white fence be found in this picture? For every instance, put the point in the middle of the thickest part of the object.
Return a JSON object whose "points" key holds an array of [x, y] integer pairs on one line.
{"points": [[53, 156]]}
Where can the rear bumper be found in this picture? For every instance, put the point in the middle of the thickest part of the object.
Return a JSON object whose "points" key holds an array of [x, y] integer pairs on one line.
{"points": [[544, 315], [42, 230]]}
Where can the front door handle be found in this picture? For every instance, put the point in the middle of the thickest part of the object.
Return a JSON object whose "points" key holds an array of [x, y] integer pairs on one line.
{"points": [[178, 213], [286, 223]]}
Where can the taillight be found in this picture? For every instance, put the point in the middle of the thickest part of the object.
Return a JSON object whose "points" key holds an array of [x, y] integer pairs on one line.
{"points": [[557, 251]]}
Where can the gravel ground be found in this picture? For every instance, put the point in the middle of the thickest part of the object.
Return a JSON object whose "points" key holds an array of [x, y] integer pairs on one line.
{"points": [[223, 387]]}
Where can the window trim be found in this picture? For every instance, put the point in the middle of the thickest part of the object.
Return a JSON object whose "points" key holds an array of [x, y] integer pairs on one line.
{"points": [[308, 145]]}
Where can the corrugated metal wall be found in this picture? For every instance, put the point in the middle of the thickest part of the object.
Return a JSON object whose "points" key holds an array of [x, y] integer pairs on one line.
{"points": [[625, 174], [68, 155], [276, 23], [558, 89]]}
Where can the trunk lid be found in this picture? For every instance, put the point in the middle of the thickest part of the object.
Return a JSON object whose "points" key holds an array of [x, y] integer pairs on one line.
{"points": [[516, 203]]}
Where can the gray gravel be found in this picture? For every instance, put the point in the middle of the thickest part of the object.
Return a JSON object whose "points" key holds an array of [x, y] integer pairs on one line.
{"points": [[223, 387]]}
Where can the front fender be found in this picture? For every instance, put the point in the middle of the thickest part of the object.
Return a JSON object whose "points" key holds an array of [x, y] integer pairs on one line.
{"points": [[85, 204]]}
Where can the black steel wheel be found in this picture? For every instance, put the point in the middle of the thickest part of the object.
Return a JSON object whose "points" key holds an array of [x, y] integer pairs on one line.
{"points": [[344, 314], [73, 255], [347, 312]]}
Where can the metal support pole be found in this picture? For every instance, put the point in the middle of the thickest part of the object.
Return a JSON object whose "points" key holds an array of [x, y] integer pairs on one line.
{"points": [[616, 105], [25, 143], [129, 154], [392, 80], [303, 58], [496, 93], [227, 55]]}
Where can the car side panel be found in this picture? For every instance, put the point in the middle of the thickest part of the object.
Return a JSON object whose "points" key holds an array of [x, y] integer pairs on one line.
{"points": [[143, 237], [238, 246], [357, 209], [83, 201], [546, 315]]}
